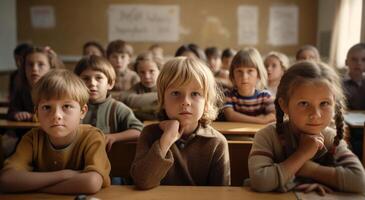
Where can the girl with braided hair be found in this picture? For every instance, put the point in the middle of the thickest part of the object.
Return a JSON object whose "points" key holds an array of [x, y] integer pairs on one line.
{"points": [[301, 151]]}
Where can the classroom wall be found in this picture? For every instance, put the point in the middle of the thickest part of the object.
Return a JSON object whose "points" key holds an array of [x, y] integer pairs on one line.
{"points": [[80, 21]]}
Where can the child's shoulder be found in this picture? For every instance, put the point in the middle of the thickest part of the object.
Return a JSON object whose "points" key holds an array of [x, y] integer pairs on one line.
{"points": [[263, 93], [88, 131]]}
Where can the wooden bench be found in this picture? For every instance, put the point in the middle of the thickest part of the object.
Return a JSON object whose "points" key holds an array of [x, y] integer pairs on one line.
{"points": [[122, 154]]}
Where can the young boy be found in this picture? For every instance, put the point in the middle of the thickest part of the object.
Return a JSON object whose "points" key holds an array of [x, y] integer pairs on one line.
{"points": [[61, 156], [142, 97], [119, 53], [354, 85], [109, 115]]}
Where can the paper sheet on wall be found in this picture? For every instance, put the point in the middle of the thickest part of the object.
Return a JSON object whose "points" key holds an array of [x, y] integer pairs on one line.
{"points": [[144, 23], [248, 25], [42, 16], [283, 25]]}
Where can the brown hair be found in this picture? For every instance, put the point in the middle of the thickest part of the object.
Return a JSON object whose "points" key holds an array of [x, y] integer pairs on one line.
{"points": [[119, 46], [309, 48], [307, 71], [143, 57], [96, 63], [59, 84]]}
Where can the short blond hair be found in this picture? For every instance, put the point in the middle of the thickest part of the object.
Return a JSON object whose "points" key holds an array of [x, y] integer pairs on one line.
{"points": [[96, 63], [60, 84], [250, 57], [180, 71]]}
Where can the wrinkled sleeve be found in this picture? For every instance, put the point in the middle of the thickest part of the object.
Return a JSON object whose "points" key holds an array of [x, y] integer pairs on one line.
{"points": [[150, 166], [220, 174]]}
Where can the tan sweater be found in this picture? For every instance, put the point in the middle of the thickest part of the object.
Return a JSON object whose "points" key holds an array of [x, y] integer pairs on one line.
{"points": [[267, 153], [203, 159]]}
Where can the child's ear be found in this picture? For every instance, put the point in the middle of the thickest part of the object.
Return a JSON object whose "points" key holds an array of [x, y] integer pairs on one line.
{"points": [[111, 85], [283, 105], [84, 110]]}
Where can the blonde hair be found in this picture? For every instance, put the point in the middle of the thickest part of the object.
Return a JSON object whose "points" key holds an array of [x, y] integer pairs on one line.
{"points": [[96, 63], [308, 48], [180, 71], [283, 59], [250, 57], [59, 84]]}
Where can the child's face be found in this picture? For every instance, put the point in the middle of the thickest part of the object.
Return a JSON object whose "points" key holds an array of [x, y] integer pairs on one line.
{"points": [[273, 68], [356, 61], [36, 66], [245, 78], [60, 118], [92, 50], [215, 63], [226, 62], [309, 113], [185, 104], [307, 55], [120, 61], [148, 73], [97, 83]]}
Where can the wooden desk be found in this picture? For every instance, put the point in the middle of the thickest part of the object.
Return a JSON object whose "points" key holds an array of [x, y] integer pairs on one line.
{"points": [[355, 118], [231, 128], [14, 124], [165, 193]]}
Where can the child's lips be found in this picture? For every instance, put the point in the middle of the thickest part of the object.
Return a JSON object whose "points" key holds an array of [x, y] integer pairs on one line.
{"points": [[185, 113]]}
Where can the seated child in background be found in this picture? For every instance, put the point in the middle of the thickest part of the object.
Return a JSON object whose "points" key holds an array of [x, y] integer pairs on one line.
{"points": [[37, 62], [114, 118], [93, 48], [354, 85], [183, 149], [61, 156], [248, 101], [191, 51], [119, 54], [308, 52], [227, 56], [276, 64], [215, 63], [142, 97], [15, 79], [157, 52], [304, 152]]}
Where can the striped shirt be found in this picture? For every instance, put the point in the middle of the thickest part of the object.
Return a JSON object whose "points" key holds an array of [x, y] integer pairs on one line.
{"points": [[259, 103]]}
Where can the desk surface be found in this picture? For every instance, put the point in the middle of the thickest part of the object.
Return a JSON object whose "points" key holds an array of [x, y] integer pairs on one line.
{"points": [[166, 193], [14, 124], [355, 118], [231, 128]]}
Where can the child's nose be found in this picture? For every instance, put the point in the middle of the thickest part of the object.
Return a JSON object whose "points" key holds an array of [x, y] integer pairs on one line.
{"points": [[57, 113], [315, 113], [186, 100]]}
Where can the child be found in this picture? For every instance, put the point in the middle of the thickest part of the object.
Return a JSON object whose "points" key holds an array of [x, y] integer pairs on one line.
{"points": [[276, 64], [61, 156], [191, 51], [354, 85], [303, 152], [247, 101], [215, 63], [119, 53], [157, 52], [37, 62], [93, 48], [109, 115], [142, 97], [227, 56], [308, 52], [183, 149]]}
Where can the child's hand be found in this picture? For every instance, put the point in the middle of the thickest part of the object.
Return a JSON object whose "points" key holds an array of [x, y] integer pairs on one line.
{"points": [[309, 187], [23, 116], [171, 134], [310, 144], [109, 140]]}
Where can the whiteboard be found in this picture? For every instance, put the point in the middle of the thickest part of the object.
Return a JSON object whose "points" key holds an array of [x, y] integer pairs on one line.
{"points": [[7, 34]]}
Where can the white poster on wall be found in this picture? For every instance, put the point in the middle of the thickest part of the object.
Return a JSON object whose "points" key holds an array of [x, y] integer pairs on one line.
{"points": [[144, 23], [42, 16], [283, 25], [248, 17]]}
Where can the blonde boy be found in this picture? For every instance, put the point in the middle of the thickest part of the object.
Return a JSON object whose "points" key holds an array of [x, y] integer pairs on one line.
{"points": [[119, 53], [61, 156], [109, 115]]}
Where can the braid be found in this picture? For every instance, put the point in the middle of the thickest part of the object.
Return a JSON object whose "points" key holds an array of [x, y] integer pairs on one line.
{"points": [[279, 117], [339, 120]]}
